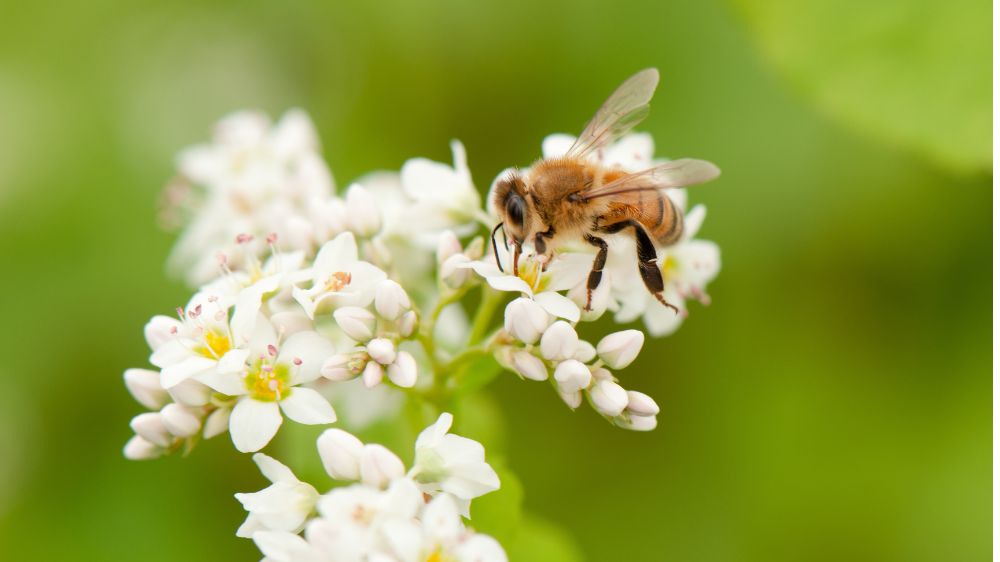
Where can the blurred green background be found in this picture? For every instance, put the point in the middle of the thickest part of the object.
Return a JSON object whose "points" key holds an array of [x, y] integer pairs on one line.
{"points": [[832, 404]]}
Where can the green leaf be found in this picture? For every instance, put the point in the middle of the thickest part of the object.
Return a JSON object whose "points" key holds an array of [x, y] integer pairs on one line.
{"points": [[498, 514], [914, 73], [542, 541]]}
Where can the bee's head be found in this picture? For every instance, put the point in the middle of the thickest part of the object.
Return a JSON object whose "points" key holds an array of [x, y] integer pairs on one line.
{"points": [[510, 200]]}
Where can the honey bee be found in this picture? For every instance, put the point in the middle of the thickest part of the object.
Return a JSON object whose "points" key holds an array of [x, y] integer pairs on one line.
{"points": [[573, 197]]}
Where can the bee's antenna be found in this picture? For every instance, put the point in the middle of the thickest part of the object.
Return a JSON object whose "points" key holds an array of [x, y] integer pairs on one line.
{"points": [[496, 251]]}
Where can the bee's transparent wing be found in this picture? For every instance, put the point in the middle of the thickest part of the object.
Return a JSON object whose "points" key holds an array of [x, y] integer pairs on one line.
{"points": [[676, 173], [626, 107]]}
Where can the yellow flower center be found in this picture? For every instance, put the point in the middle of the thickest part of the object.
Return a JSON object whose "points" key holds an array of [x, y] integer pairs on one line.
{"points": [[530, 271], [216, 345], [267, 382], [669, 268], [438, 556]]}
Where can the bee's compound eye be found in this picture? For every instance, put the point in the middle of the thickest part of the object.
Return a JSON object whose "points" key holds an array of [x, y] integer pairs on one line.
{"points": [[515, 209]]}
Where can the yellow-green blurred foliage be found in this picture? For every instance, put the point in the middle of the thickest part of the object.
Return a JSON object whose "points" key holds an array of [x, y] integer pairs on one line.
{"points": [[831, 404]]}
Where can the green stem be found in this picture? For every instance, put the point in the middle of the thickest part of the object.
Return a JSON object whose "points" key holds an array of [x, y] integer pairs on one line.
{"points": [[488, 303]]}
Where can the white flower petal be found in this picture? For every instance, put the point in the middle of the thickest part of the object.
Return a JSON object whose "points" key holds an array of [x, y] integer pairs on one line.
{"points": [[558, 305], [253, 424], [307, 406]]}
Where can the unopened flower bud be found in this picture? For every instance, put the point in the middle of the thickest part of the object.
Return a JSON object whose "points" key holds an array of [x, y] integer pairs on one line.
{"points": [[180, 421], [390, 299], [343, 366], [363, 215], [161, 329], [372, 375], [637, 423], [341, 454], [190, 393], [379, 466], [608, 398], [403, 372], [619, 349], [525, 319], [640, 404], [585, 352], [448, 245], [216, 423], [138, 449], [572, 399], [571, 375], [407, 323], [381, 350], [145, 388], [150, 427], [559, 341], [529, 366], [453, 271], [358, 323]]}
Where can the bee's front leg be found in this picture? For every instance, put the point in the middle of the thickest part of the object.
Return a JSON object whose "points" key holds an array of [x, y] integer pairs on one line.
{"points": [[540, 247]]}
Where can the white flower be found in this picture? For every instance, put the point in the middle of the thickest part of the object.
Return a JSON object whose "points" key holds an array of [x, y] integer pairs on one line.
{"points": [[443, 196], [180, 420], [565, 271], [571, 376], [138, 449], [339, 278], [191, 347], [373, 374], [619, 349], [283, 506], [450, 463], [403, 371], [381, 350], [358, 323], [363, 215], [391, 299], [251, 179], [379, 466], [525, 319], [640, 404], [559, 341], [608, 397], [341, 454], [144, 385], [529, 366], [267, 375]]}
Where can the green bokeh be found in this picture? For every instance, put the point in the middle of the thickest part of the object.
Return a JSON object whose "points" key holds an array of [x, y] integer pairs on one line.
{"points": [[832, 404]]}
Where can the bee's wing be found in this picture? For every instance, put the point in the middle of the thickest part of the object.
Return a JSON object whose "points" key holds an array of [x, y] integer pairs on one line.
{"points": [[626, 107], [676, 173]]}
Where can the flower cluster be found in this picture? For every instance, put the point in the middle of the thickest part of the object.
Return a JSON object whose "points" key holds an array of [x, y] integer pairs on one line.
{"points": [[387, 513], [305, 298]]}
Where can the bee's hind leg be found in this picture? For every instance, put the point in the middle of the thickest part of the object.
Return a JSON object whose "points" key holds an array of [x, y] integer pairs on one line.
{"points": [[598, 270], [648, 269]]}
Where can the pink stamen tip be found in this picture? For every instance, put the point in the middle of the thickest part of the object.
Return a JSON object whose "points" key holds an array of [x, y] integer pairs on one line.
{"points": [[243, 238], [173, 330], [180, 312], [272, 238], [223, 260], [213, 298], [267, 368], [297, 361], [272, 350]]}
